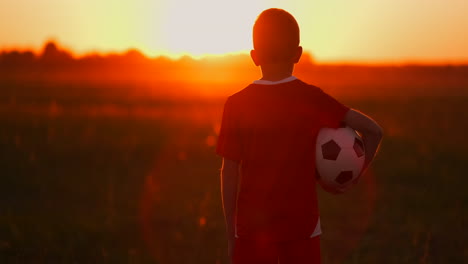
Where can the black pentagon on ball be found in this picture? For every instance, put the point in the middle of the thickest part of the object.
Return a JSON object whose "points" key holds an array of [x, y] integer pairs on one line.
{"points": [[358, 147], [344, 177], [330, 150]]}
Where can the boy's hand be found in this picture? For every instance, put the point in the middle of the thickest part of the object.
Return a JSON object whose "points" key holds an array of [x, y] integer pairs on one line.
{"points": [[369, 129], [231, 242]]}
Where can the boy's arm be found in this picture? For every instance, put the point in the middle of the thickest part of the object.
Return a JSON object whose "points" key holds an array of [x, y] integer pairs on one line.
{"points": [[230, 177], [370, 131]]}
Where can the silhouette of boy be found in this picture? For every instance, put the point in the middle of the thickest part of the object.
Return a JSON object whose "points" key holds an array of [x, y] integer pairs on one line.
{"points": [[267, 141]]}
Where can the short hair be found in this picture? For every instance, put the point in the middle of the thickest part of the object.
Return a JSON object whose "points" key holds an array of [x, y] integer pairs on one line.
{"points": [[275, 35]]}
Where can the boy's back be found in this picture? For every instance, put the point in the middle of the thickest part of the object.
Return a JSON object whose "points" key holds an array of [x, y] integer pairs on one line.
{"points": [[272, 130]]}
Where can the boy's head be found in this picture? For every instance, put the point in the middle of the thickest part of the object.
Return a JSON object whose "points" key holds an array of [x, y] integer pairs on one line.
{"points": [[276, 38]]}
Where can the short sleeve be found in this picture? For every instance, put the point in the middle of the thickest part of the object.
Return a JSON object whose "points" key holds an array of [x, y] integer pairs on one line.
{"points": [[334, 111], [229, 140]]}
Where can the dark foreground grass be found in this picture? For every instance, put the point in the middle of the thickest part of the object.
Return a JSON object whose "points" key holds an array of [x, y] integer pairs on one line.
{"points": [[130, 188]]}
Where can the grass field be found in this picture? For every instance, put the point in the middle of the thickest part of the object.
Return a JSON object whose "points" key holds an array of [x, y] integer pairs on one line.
{"points": [[116, 183]]}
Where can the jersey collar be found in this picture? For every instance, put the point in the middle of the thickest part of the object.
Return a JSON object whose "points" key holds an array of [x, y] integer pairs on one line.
{"points": [[267, 82]]}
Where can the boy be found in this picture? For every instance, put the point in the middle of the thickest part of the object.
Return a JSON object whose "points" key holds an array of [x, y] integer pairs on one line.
{"points": [[267, 141]]}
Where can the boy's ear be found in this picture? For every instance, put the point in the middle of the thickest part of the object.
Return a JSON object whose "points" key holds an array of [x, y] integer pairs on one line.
{"points": [[298, 55], [255, 58]]}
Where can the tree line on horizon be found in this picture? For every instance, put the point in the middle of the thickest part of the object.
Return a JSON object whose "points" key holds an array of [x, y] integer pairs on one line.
{"points": [[54, 64]]}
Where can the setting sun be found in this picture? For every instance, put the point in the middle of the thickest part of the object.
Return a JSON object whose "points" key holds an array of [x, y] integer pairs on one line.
{"points": [[209, 26]]}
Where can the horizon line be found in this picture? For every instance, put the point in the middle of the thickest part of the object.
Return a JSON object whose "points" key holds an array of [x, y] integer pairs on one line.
{"points": [[181, 55]]}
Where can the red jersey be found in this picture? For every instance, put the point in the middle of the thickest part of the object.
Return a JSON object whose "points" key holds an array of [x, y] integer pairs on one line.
{"points": [[272, 130]]}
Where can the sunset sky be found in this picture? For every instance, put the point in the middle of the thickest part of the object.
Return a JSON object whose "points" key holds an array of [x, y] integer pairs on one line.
{"points": [[333, 30]]}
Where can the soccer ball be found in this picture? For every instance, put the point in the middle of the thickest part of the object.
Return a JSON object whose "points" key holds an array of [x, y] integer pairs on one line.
{"points": [[339, 158]]}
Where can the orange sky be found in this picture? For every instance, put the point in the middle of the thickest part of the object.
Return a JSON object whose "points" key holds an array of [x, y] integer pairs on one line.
{"points": [[333, 30]]}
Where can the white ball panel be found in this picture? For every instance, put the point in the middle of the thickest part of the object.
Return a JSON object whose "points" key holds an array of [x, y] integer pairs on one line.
{"points": [[327, 169], [347, 160], [345, 137], [325, 134]]}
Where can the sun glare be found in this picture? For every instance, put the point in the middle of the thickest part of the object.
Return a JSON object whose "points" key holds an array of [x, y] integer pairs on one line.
{"points": [[209, 26]]}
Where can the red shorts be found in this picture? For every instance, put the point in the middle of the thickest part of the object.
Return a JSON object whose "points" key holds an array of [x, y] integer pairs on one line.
{"points": [[304, 251]]}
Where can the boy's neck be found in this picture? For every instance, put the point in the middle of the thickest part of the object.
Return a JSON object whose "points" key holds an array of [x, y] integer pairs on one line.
{"points": [[277, 71]]}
